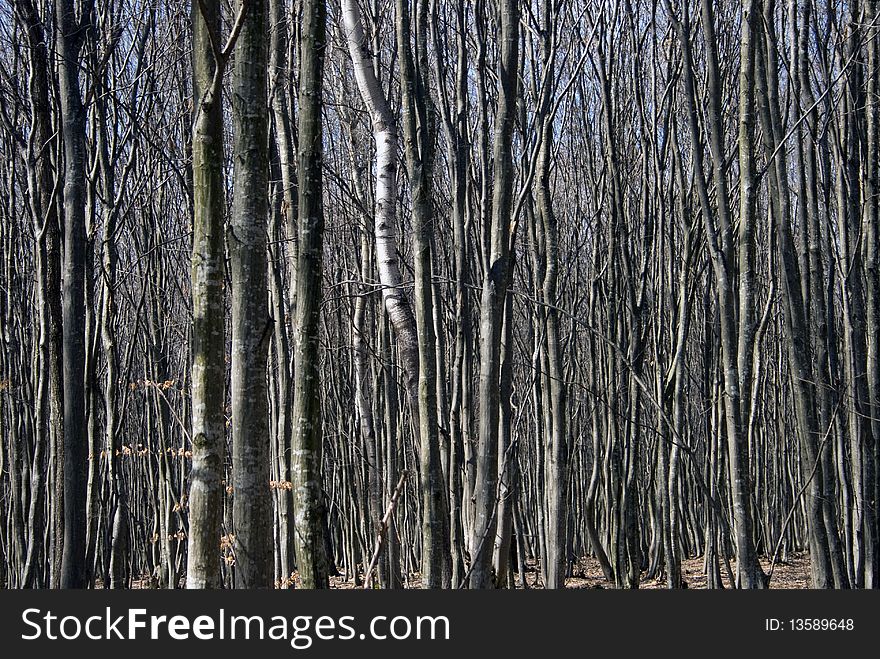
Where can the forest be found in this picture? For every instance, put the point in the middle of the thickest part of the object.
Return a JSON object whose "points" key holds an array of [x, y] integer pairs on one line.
{"points": [[390, 294]]}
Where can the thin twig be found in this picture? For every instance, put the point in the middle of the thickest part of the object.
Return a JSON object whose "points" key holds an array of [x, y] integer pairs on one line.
{"points": [[383, 528]]}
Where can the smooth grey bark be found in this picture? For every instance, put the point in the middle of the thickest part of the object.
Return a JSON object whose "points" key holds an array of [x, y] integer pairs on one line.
{"points": [[365, 410], [118, 517], [736, 334], [508, 467], [284, 235], [556, 465], [871, 247], [113, 185], [251, 325], [794, 311], [455, 123], [72, 29], [494, 293], [44, 214], [392, 445], [809, 191], [738, 328], [306, 445], [673, 388], [419, 147], [207, 275], [279, 65], [847, 193], [364, 396]]}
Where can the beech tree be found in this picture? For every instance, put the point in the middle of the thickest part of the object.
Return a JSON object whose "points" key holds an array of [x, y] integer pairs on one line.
{"points": [[306, 448], [208, 303], [72, 28]]}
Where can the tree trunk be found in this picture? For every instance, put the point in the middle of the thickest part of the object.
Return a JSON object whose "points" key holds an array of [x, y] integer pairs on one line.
{"points": [[72, 30], [306, 447], [208, 331], [495, 285], [251, 325], [419, 147]]}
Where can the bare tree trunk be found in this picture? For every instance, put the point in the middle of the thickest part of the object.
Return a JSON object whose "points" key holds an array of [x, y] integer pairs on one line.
{"points": [[385, 226], [208, 332], [809, 192], [457, 130], [251, 325], [794, 310], [736, 337], [44, 214], [72, 31], [494, 293], [306, 447], [283, 261], [871, 248], [508, 472], [419, 147], [365, 410]]}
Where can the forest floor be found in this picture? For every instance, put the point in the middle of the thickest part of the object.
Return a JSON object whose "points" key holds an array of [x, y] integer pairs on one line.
{"points": [[791, 574], [794, 573]]}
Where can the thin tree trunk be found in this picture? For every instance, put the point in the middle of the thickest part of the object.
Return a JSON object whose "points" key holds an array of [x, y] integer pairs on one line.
{"points": [[419, 147], [494, 293], [72, 30], [306, 447], [208, 331]]}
